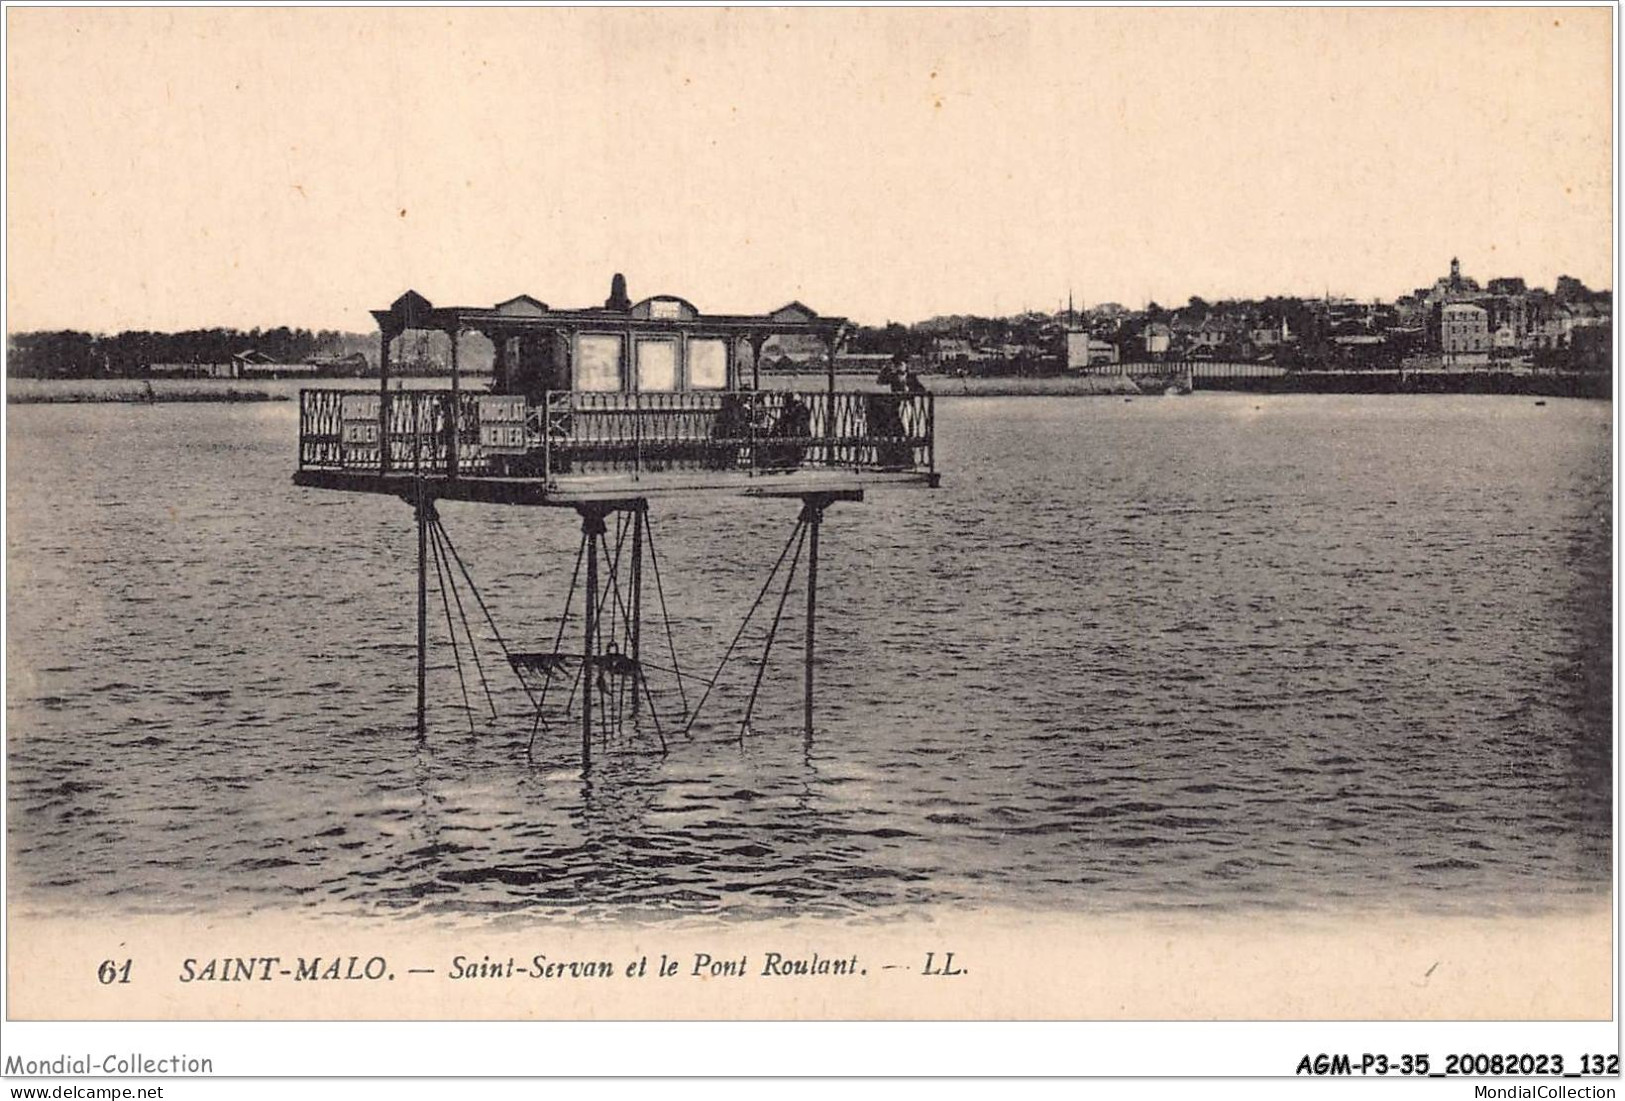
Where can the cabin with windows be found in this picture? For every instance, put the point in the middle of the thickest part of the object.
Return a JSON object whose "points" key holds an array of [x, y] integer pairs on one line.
{"points": [[627, 398]]}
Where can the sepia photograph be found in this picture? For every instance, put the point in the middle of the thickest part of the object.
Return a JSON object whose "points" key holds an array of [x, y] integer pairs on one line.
{"points": [[810, 514]]}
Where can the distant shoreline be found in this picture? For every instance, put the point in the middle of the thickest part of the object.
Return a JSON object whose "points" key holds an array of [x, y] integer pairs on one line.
{"points": [[1538, 384], [169, 391], [137, 399]]}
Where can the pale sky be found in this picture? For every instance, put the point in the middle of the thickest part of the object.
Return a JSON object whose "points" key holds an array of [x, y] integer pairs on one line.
{"points": [[180, 168]]}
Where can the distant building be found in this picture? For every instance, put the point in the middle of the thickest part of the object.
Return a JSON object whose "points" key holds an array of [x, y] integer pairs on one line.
{"points": [[1362, 351], [1209, 334], [1407, 340], [282, 370], [1012, 353], [1185, 326], [947, 350], [1268, 335], [253, 363], [867, 363], [798, 348], [1509, 317], [1570, 289], [1084, 351], [1454, 287], [353, 363], [1586, 314], [1464, 330], [1593, 347], [1548, 328], [1157, 338], [248, 359], [192, 370], [1411, 309]]}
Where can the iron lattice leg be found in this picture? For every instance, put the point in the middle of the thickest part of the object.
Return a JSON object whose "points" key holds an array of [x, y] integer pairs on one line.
{"points": [[592, 528], [773, 630], [812, 516], [423, 606], [637, 608]]}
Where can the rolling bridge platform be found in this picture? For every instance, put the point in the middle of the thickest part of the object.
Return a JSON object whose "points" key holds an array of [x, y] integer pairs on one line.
{"points": [[603, 410]]}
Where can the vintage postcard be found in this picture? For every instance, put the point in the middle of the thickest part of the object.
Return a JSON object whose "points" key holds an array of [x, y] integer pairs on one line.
{"points": [[854, 515]]}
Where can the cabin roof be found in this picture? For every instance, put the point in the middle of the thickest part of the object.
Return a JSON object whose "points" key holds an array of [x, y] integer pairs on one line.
{"points": [[522, 304], [413, 311], [794, 311]]}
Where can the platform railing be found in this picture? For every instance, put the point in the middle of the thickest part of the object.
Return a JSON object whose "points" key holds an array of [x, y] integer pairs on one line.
{"points": [[339, 430], [573, 432]]}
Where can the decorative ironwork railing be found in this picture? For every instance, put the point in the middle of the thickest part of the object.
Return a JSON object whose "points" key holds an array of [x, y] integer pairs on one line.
{"points": [[572, 432]]}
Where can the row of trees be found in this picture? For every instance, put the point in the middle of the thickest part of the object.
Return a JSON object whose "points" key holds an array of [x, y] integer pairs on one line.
{"points": [[72, 354]]}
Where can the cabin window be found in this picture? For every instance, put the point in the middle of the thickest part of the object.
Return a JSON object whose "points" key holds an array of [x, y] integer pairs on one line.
{"points": [[598, 362], [657, 365], [707, 364]]}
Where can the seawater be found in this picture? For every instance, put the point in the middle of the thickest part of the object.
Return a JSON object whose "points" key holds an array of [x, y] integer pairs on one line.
{"points": [[1213, 652]]}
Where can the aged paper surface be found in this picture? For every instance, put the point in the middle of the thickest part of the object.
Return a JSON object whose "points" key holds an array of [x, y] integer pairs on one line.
{"points": [[980, 967], [422, 169]]}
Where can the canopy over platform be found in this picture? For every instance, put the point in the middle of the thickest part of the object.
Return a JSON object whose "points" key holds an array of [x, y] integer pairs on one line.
{"points": [[663, 343], [663, 312]]}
